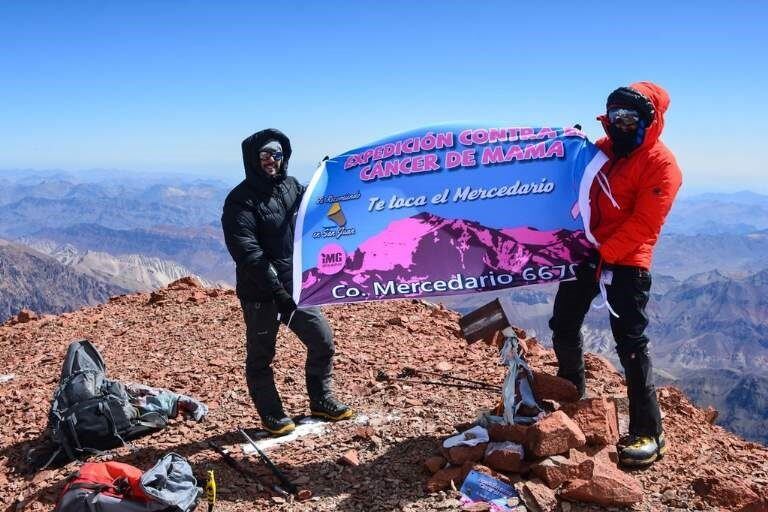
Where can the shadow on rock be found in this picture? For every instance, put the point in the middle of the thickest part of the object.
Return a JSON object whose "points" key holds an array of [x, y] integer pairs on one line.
{"points": [[385, 480], [388, 481]]}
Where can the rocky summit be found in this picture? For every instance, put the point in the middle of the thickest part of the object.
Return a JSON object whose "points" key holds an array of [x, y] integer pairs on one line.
{"points": [[191, 340]]}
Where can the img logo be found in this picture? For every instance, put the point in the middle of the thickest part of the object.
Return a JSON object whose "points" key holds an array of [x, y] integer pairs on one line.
{"points": [[331, 259]]}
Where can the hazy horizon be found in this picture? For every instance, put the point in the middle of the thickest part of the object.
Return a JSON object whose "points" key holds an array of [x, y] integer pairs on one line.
{"points": [[303, 175]]}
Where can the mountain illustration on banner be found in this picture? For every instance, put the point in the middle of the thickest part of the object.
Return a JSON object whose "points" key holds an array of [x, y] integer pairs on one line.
{"points": [[427, 246]]}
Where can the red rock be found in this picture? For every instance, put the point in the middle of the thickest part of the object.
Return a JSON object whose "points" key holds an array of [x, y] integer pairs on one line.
{"points": [[349, 458], [729, 493], [531, 347], [711, 414], [551, 387], [398, 320], [435, 463], [597, 418], [597, 364], [495, 340], [609, 487], [608, 454], [198, 296], [185, 283], [555, 434], [479, 506], [26, 315], [557, 469], [157, 297], [460, 454], [488, 471], [504, 456], [537, 496], [441, 480], [364, 432], [514, 433], [42, 476]]}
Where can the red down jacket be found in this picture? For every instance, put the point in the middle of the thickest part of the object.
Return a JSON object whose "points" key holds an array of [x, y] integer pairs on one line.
{"points": [[644, 185]]}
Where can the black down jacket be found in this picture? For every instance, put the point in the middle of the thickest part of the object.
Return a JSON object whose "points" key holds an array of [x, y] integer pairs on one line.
{"points": [[258, 221]]}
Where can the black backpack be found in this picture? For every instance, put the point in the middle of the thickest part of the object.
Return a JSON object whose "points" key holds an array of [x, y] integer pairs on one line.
{"points": [[89, 412]]}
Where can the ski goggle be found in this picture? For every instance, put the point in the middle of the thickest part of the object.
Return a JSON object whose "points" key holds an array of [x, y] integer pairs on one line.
{"points": [[623, 116], [266, 155]]}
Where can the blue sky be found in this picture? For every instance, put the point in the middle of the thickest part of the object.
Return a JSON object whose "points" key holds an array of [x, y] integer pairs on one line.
{"points": [[175, 86]]}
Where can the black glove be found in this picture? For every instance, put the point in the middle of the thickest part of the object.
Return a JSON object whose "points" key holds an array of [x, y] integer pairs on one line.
{"points": [[587, 269], [285, 304]]}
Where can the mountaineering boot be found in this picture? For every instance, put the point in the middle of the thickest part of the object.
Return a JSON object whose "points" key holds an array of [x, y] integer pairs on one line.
{"points": [[278, 424], [637, 450], [330, 408], [270, 409], [322, 403]]}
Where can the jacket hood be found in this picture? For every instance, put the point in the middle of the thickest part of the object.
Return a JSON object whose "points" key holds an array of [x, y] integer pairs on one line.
{"points": [[660, 100], [253, 172]]}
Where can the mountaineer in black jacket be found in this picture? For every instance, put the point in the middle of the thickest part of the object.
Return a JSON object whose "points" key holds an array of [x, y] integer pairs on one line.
{"points": [[258, 221]]}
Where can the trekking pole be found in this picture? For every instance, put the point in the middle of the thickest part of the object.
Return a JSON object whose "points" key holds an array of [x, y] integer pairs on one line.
{"points": [[408, 372], [284, 481], [382, 376], [274, 489]]}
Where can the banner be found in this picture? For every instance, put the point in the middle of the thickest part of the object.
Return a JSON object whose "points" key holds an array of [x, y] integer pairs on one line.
{"points": [[445, 210]]}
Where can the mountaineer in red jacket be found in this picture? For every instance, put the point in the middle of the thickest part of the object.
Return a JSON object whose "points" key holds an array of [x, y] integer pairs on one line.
{"points": [[629, 200]]}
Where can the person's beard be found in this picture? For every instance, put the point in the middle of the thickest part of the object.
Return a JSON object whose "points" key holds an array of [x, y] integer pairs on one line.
{"points": [[274, 174]]}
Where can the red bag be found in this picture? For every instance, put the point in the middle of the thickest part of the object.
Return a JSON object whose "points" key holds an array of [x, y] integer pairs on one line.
{"points": [[118, 487]]}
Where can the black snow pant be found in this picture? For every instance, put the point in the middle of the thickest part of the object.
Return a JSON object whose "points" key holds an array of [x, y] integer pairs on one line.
{"points": [[628, 294], [311, 327]]}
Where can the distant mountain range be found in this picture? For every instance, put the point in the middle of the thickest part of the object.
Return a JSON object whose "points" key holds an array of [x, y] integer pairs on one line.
{"points": [[735, 213], [32, 280], [682, 255], [714, 321], [134, 272], [200, 249], [31, 214], [740, 399]]}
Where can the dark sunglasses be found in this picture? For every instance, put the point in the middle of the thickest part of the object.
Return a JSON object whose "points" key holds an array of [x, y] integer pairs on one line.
{"points": [[266, 155], [623, 116]]}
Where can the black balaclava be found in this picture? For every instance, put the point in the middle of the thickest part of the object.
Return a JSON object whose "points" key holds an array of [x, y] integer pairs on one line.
{"points": [[625, 142]]}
